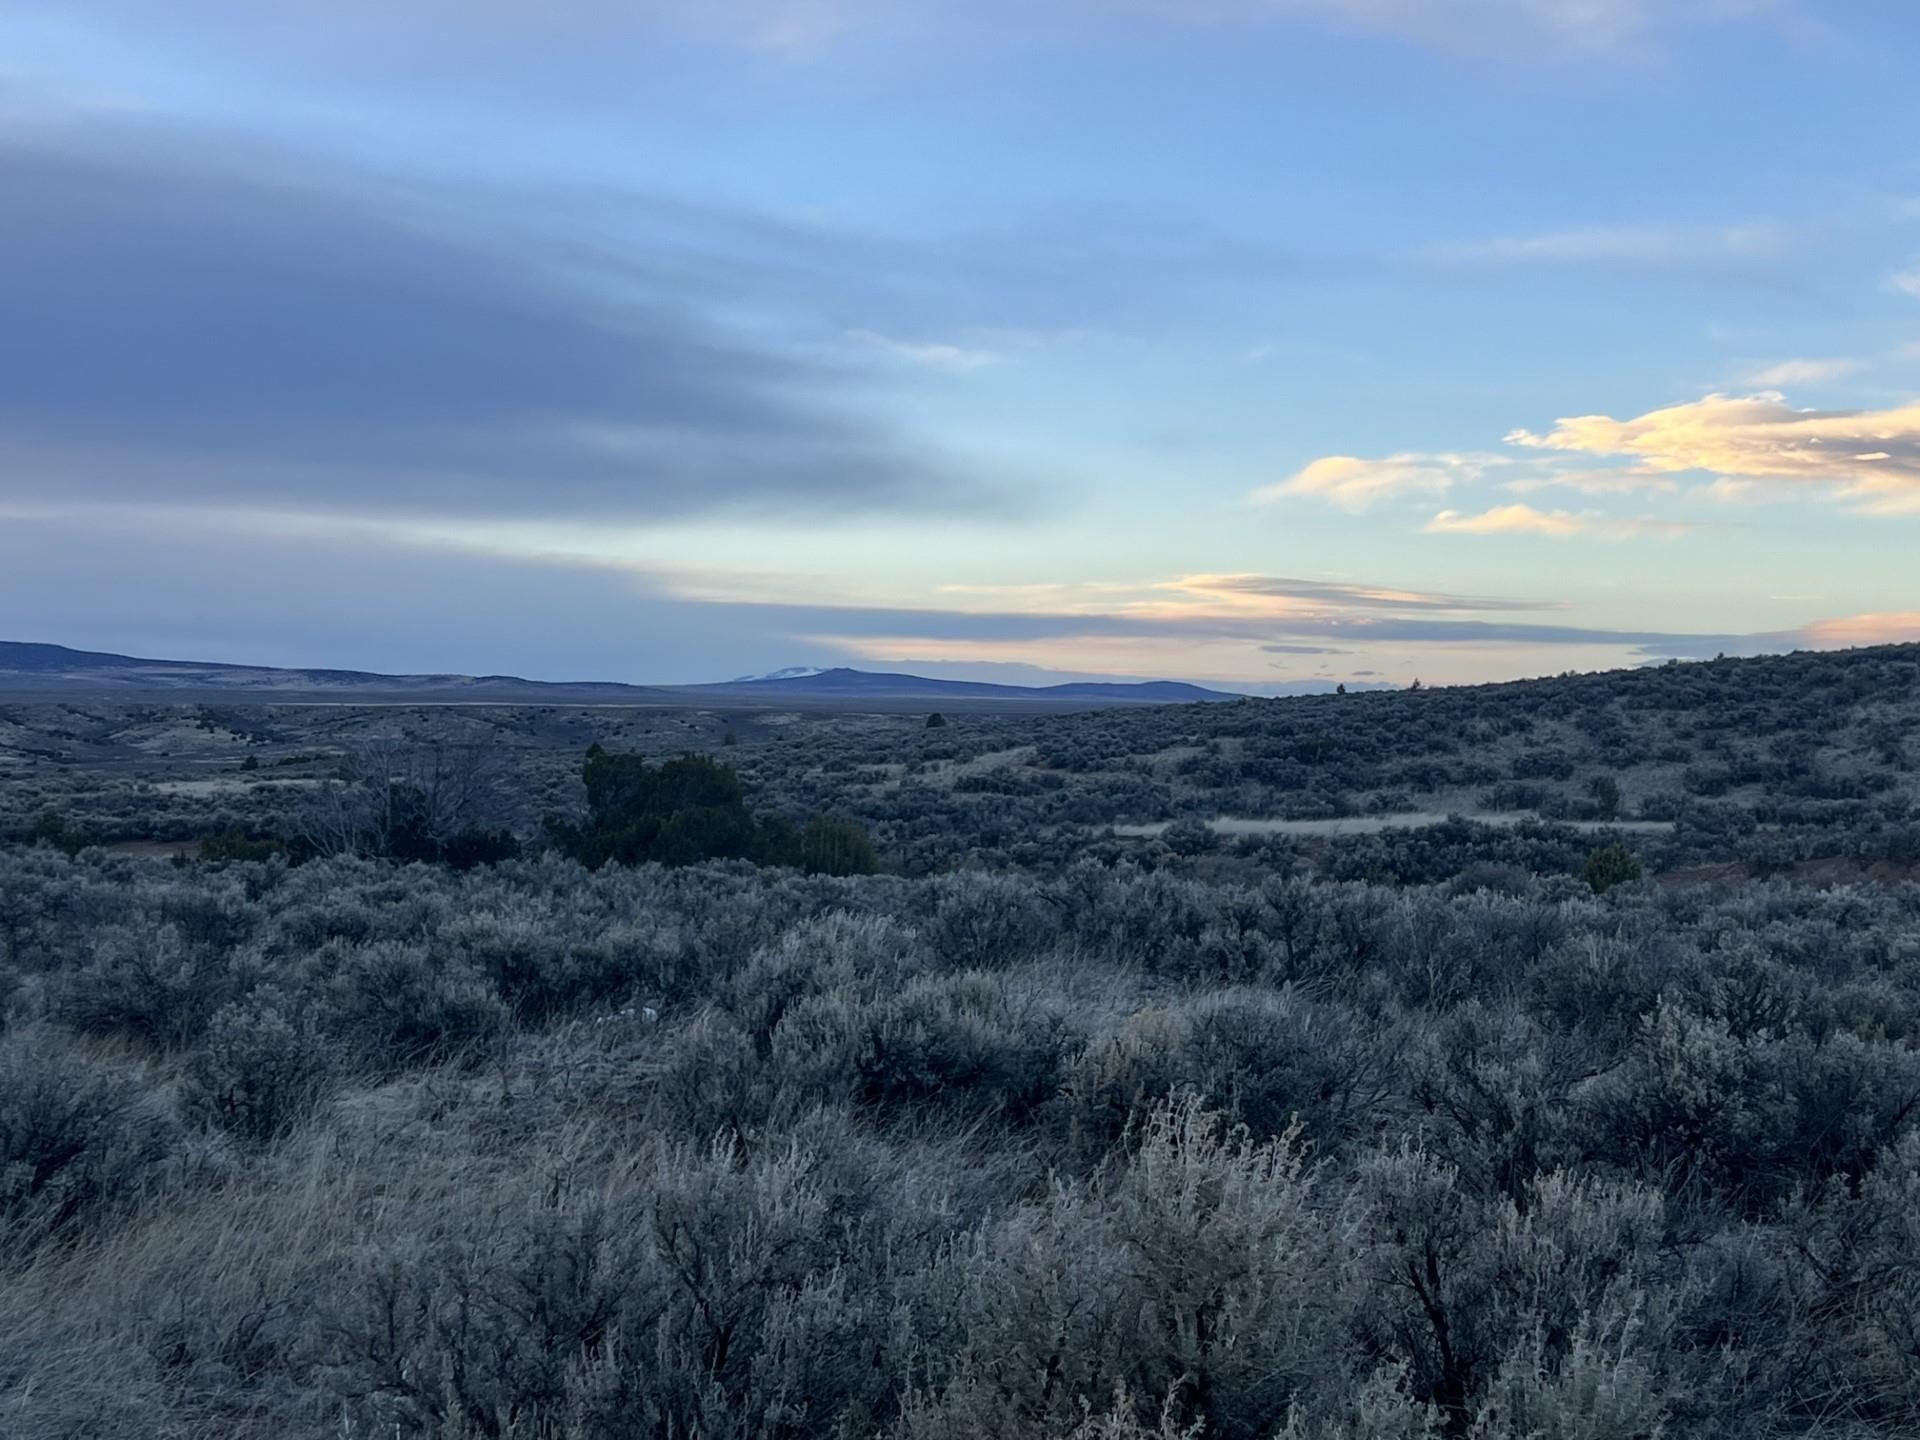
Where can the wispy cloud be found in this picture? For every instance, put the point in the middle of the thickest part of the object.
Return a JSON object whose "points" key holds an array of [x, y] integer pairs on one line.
{"points": [[934, 355], [1357, 484], [1802, 372], [1555, 524], [1618, 480], [1906, 282], [1869, 456], [1507, 520], [1505, 29], [1649, 244], [1299, 596], [816, 31]]}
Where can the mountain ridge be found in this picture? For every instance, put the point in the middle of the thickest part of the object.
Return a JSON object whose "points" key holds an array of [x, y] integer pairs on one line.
{"points": [[32, 669]]}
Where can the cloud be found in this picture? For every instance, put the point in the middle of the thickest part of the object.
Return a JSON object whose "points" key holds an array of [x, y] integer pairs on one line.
{"points": [[185, 321], [1574, 24], [395, 605], [1895, 628], [1907, 282], [1802, 372], [1554, 524], [1591, 481], [1307, 595], [1871, 456], [1528, 30], [1203, 618], [1652, 245], [1356, 484], [1507, 520], [440, 38], [1647, 527], [1571, 25], [932, 354]]}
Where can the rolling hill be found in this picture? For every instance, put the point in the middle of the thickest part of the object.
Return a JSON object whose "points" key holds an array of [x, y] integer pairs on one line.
{"points": [[31, 671]]}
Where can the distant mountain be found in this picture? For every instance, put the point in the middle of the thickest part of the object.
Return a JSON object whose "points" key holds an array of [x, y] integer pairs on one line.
{"points": [[842, 681], [29, 669], [33, 671]]}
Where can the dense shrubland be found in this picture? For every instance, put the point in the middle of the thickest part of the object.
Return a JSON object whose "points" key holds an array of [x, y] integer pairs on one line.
{"points": [[1780, 764], [360, 1148], [459, 1091]]}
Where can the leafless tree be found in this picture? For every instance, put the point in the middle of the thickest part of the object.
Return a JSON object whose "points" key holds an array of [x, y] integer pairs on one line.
{"points": [[393, 798]]}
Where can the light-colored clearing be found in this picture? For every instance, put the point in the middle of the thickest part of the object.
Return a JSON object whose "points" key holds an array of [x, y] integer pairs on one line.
{"points": [[1374, 824], [155, 849]]}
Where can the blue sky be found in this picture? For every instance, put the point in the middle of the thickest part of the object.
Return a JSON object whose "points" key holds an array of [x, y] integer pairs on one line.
{"points": [[1273, 343]]}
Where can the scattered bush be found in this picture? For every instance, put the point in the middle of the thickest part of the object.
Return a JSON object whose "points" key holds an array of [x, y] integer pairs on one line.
{"points": [[1608, 866]]}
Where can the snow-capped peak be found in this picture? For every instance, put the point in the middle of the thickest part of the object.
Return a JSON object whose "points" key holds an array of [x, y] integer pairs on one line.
{"points": [[792, 672]]}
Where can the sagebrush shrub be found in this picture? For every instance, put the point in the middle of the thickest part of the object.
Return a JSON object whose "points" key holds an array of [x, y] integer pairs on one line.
{"points": [[76, 1136], [263, 1068]]}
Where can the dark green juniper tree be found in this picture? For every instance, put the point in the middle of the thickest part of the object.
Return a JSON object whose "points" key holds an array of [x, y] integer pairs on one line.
{"points": [[690, 809]]}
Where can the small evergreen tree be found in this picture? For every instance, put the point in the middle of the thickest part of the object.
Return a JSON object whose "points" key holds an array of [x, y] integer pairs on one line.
{"points": [[1611, 865], [692, 809], [52, 828], [936, 721], [679, 813]]}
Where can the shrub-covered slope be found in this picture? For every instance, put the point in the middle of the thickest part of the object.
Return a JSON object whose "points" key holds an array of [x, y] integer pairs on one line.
{"points": [[1800, 762], [356, 1149]]}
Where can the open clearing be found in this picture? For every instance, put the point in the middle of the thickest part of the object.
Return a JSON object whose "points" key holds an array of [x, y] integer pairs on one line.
{"points": [[1374, 824]]}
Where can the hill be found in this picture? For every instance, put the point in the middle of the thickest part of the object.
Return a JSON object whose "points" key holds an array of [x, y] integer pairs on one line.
{"points": [[883, 685], [41, 671]]}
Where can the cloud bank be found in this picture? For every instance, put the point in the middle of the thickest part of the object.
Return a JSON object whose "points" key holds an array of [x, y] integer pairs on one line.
{"points": [[212, 324]]}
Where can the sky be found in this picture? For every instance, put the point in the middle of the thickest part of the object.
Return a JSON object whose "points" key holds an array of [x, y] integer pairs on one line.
{"points": [[1271, 344]]}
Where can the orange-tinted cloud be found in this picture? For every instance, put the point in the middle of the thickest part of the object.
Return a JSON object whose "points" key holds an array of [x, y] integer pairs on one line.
{"points": [[1508, 520], [1519, 519], [1356, 484], [1890, 628], [1872, 456]]}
